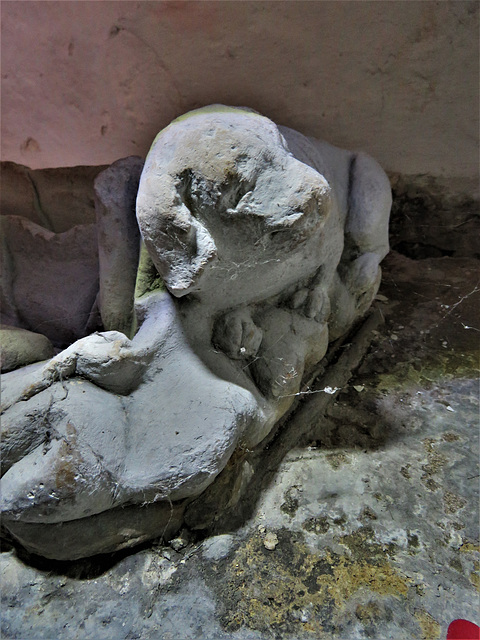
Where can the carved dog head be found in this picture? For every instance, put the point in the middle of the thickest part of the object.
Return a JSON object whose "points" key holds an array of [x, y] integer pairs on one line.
{"points": [[225, 210]]}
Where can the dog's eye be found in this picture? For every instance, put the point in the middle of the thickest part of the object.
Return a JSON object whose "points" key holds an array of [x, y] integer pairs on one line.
{"points": [[236, 190], [280, 234]]}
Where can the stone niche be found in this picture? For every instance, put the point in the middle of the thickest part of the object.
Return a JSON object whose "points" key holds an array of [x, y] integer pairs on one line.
{"points": [[174, 323]]}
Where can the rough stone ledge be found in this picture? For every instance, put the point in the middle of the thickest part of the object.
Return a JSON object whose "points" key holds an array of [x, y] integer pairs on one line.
{"points": [[368, 528], [433, 217]]}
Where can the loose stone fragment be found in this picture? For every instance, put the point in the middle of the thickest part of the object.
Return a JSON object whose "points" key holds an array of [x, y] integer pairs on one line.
{"points": [[270, 541]]}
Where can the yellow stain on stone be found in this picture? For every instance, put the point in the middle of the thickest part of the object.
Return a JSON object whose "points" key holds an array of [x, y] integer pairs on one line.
{"points": [[349, 577], [436, 369], [430, 628], [475, 580], [292, 588]]}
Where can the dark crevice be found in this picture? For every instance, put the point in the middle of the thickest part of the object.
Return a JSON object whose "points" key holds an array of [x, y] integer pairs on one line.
{"points": [[205, 198], [46, 222], [419, 251], [428, 221]]}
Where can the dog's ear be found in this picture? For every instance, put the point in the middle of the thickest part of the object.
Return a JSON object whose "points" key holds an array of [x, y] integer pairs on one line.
{"points": [[179, 244]]}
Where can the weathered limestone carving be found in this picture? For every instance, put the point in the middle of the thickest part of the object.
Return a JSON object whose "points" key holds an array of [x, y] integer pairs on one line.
{"points": [[269, 245]]}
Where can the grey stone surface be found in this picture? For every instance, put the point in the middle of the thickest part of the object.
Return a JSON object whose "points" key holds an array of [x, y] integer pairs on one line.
{"points": [[49, 280], [19, 347], [56, 199], [375, 511], [269, 245], [88, 273], [118, 242], [218, 547]]}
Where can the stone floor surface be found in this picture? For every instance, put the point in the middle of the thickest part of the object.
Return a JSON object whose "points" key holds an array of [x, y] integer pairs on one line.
{"points": [[368, 529]]}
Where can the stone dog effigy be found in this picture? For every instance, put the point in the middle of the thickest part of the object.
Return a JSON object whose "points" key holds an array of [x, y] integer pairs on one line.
{"points": [[268, 244]]}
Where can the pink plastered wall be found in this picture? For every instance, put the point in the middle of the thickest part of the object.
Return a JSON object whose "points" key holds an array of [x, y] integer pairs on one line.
{"points": [[90, 82]]}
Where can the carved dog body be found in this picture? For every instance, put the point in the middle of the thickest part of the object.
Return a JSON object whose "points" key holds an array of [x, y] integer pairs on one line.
{"points": [[269, 244]]}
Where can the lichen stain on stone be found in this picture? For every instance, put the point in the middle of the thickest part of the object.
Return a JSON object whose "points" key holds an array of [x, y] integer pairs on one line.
{"points": [[475, 580], [412, 540], [316, 525], [367, 515], [381, 578], [363, 546], [431, 484], [405, 473], [430, 628], [428, 444], [456, 564], [292, 589], [337, 459], [341, 521], [452, 503], [450, 365], [435, 463], [368, 612], [67, 462], [65, 471], [290, 504], [403, 377], [474, 576], [435, 369], [148, 279], [450, 437]]}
